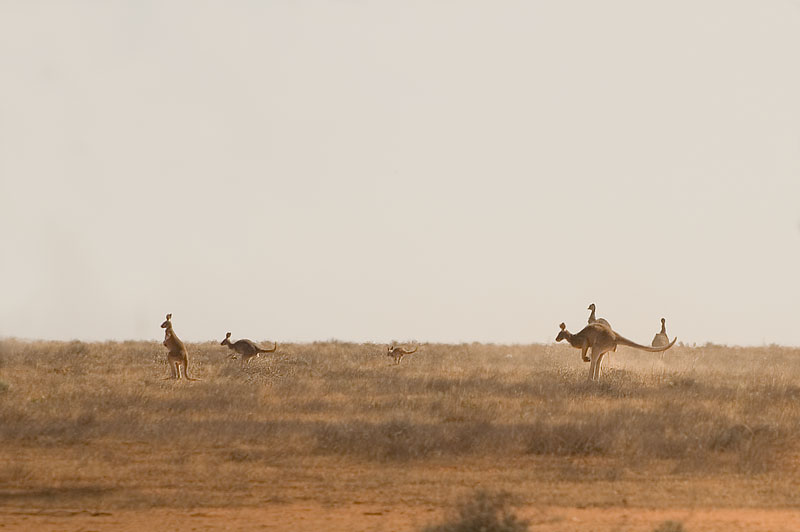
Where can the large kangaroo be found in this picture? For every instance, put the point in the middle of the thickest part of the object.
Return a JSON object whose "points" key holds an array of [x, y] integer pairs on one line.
{"points": [[177, 356], [601, 339]]}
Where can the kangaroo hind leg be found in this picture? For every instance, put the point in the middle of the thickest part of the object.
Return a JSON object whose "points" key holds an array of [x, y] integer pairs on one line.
{"points": [[599, 366], [593, 365]]}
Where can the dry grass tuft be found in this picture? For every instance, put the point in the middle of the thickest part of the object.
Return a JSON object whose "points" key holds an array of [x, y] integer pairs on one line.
{"points": [[670, 526], [482, 512]]}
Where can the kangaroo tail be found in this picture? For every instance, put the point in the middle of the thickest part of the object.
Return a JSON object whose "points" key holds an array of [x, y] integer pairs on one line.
{"points": [[274, 348], [186, 369], [621, 340]]}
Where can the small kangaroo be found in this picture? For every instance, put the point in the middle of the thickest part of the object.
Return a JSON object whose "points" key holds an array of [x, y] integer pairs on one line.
{"points": [[246, 348], [177, 356], [601, 340], [398, 352]]}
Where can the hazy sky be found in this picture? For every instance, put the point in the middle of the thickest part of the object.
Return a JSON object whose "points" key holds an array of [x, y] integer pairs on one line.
{"points": [[433, 170]]}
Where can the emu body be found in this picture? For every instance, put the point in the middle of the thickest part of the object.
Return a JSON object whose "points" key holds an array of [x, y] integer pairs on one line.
{"points": [[661, 338]]}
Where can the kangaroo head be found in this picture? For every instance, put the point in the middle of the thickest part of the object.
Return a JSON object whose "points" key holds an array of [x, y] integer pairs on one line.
{"points": [[563, 334], [227, 339], [167, 322], [390, 350]]}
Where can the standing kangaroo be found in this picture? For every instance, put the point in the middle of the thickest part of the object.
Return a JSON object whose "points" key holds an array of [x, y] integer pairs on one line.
{"points": [[601, 340], [177, 356]]}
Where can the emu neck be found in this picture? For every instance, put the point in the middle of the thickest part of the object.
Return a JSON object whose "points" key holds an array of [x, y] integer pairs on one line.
{"points": [[663, 328], [591, 317]]}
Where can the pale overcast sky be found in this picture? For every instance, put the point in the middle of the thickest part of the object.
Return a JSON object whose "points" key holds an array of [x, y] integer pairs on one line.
{"points": [[433, 170]]}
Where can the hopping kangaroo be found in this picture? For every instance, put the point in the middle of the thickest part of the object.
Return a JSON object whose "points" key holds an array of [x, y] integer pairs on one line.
{"points": [[601, 321], [601, 340], [246, 348], [398, 352], [177, 356]]}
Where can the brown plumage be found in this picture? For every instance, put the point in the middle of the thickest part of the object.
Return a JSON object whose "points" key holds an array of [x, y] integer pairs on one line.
{"points": [[661, 339], [592, 319]]}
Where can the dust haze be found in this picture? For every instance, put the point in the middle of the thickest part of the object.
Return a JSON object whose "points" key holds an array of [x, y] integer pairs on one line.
{"points": [[448, 172]]}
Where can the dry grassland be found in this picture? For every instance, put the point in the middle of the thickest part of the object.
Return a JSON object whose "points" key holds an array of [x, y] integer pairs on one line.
{"points": [[94, 426]]}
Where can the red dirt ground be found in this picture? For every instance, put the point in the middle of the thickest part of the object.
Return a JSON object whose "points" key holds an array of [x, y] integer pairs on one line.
{"points": [[355, 518]]}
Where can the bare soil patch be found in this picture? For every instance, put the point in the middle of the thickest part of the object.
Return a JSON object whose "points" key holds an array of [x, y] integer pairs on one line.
{"points": [[312, 517]]}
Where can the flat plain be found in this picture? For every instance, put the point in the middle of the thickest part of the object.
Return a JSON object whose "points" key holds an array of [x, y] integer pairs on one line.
{"points": [[334, 436]]}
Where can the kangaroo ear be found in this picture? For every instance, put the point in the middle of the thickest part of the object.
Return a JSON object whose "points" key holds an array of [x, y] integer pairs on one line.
{"points": [[563, 326]]}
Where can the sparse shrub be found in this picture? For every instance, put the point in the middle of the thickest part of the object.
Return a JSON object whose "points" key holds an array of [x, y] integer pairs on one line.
{"points": [[670, 526], [401, 439], [243, 455], [756, 448], [682, 382], [483, 512], [73, 349], [13, 473], [759, 454], [584, 437], [86, 418]]}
